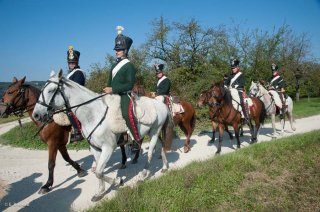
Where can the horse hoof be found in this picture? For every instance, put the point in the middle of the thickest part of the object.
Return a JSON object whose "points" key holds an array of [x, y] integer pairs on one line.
{"points": [[82, 173], [44, 190], [122, 166], [97, 197], [186, 149], [217, 153], [293, 128], [134, 161]]}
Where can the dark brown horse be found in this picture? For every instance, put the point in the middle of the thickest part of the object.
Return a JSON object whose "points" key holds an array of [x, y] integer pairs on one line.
{"points": [[185, 120], [223, 113], [19, 98]]}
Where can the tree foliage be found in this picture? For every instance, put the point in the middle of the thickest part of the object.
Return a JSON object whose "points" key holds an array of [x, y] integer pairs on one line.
{"points": [[195, 56]]}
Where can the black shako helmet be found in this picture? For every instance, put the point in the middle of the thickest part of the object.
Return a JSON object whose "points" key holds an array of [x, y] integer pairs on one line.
{"points": [[73, 55], [122, 42], [234, 62], [159, 67]]}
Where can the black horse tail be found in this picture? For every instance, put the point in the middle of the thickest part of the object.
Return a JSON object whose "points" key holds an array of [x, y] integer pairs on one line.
{"points": [[167, 133], [263, 113]]}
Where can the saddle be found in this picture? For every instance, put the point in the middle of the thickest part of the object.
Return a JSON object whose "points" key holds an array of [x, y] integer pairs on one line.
{"points": [[176, 106], [143, 107]]}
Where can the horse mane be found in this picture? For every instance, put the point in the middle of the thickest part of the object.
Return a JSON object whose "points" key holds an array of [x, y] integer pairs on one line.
{"points": [[69, 83], [226, 95]]}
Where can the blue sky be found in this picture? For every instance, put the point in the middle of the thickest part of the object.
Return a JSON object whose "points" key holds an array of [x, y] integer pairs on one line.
{"points": [[35, 34]]}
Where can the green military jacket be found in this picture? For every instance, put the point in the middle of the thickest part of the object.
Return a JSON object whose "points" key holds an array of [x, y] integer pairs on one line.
{"points": [[124, 80], [163, 86]]}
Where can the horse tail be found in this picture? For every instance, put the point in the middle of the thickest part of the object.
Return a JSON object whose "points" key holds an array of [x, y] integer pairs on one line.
{"points": [[168, 132], [263, 113], [193, 120]]}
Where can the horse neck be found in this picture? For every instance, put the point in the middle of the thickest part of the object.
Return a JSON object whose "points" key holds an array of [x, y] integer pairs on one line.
{"points": [[31, 95], [77, 95]]}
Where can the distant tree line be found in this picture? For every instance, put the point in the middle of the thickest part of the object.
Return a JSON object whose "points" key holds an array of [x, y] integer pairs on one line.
{"points": [[196, 56]]}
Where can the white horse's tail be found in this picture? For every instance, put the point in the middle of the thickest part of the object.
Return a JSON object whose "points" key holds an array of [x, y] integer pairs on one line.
{"points": [[167, 133]]}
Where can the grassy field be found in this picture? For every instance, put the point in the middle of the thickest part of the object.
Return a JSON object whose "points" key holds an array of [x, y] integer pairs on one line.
{"points": [[24, 137], [281, 175]]}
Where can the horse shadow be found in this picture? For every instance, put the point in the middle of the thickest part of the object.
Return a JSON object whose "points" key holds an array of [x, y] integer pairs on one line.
{"points": [[132, 170], [20, 190], [64, 196]]}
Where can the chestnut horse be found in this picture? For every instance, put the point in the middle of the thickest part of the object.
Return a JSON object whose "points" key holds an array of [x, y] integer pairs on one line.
{"points": [[19, 98], [185, 120], [203, 99], [223, 113]]}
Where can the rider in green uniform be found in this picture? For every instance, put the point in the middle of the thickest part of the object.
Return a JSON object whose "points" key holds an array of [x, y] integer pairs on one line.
{"points": [[121, 81]]}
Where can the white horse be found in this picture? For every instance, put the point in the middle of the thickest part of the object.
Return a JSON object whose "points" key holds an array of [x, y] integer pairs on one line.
{"points": [[90, 109], [257, 90]]}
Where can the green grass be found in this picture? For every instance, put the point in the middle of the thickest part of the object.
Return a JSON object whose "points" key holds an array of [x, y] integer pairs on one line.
{"points": [[281, 175], [24, 137]]}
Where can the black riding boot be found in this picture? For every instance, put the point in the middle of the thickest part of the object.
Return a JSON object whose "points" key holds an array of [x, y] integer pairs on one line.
{"points": [[76, 135]]}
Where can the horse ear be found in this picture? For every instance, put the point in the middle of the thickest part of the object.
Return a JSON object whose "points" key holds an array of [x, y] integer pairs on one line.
{"points": [[23, 79], [52, 73], [60, 74], [14, 80]]}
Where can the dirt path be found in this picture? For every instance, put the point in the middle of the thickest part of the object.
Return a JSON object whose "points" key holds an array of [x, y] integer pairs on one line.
{"points": [[23, 171]]}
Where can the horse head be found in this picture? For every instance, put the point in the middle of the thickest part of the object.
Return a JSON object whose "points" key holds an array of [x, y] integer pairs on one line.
{"points": [[254, 89], [203, 98], [13, 99], [51, 98]]}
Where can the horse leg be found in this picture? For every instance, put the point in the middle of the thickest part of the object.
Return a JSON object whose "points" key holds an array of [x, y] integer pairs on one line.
{"points": [[241, 130], [290, 117], [252, 131], [273, 121], [124, 157], [229, 133], [213, 133], [64, 152], [221, 131], [236, 132], [136, 156], [52, 150], [187, 132], [102, 178], [164, 160], [282, 123]]}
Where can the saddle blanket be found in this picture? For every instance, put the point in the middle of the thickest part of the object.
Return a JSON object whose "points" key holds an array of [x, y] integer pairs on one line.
{"points": [[274, 94], [143, 109], [61, 119]]}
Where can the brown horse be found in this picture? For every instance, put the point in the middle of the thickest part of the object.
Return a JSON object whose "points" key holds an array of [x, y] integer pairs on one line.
{"points": [[185, 120], [203, 99], [19, 98], [223, 113]]}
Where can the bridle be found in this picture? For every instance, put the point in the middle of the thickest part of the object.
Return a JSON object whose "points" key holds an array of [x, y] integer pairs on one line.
{"points": [[21, 96], [67, 107]]}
